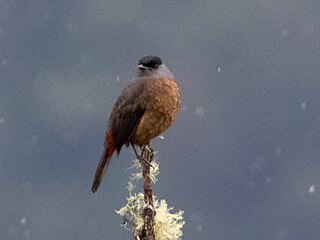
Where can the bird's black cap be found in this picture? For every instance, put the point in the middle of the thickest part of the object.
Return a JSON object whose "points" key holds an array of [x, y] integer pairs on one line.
{"points": [[150, 62]]}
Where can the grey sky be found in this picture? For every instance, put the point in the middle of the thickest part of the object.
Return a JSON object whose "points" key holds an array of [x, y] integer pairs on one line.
{"points": [[242, 159]]}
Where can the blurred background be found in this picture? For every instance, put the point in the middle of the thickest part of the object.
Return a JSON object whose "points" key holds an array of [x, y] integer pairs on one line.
{"points": [[242, 159]]}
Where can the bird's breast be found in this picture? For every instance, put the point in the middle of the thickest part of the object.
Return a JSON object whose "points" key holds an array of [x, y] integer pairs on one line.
{"points": [[161, 99]]}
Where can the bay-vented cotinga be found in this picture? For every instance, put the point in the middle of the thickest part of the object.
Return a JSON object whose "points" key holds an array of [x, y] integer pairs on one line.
{"points": [[144, 110]]}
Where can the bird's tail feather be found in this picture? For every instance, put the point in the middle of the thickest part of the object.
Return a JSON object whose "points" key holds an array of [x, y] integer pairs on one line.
{"points": [[103, 164]]}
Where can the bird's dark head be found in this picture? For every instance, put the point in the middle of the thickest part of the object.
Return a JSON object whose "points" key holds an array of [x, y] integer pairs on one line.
{"points": [[152, 67], [149, 63]]}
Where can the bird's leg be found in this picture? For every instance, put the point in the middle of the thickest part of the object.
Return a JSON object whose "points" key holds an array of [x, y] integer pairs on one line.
{"points": [[147, 151], [147, 154], [135, 151], [144, 156]]}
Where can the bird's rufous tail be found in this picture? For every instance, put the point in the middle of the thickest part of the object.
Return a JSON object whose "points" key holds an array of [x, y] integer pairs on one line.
{"points": [[104, 162]]}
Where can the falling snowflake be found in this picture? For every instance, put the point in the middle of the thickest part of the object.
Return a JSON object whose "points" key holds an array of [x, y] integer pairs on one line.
{"points": [[199, 228], [312, 189], [303, 106], [268, 180], [161, 136], [200, 112], [34, 139], [23, 221], [278, 151], [284, 33], [184, 108]]}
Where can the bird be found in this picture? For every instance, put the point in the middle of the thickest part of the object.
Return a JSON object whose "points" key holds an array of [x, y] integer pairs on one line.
{"points": [[145, 108]]}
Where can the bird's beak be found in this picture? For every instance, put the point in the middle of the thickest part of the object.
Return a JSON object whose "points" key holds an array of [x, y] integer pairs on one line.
{"points": [[141, 67]]}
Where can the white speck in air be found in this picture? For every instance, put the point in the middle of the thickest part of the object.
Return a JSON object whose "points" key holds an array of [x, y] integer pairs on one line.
{"points": [[200, 112], [34, 139], [269, 180], [312, 188], [278, 151], [199, 228], [284, 33], [303, 106], [23, 221], [161, 136]]}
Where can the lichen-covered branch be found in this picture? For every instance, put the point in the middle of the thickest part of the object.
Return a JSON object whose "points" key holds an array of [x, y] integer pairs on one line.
{"points": [[149, 218], [148, 211]]}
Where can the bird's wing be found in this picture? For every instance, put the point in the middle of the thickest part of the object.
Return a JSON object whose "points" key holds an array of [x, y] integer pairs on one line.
{"points": [[126, 114]]}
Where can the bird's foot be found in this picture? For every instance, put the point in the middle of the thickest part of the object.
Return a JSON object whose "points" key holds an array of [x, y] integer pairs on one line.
{"points": [[147, 152], [143, 161], [147, 155]]}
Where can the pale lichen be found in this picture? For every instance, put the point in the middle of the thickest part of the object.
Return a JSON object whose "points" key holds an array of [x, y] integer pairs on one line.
{"points": [[132, 211], [137, 174], [168, 226]]}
